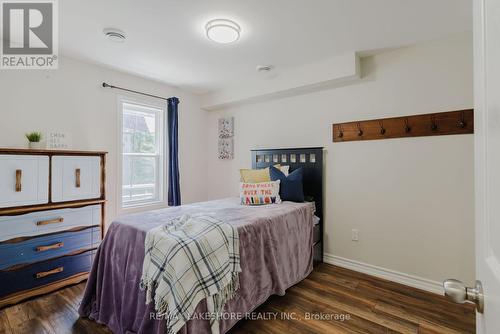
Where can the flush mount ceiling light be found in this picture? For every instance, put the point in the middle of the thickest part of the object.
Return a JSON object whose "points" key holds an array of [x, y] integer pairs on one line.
{"points": [[223, 31], [114, 35]]}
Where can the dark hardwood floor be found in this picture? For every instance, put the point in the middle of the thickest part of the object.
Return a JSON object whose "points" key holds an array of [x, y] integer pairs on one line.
{"points": [[330, 300]]}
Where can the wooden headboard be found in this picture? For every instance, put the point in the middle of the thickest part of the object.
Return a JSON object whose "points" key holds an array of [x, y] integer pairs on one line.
{"points": [[311, 161]]}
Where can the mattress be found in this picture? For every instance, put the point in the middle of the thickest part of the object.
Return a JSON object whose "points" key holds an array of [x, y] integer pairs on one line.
{"points": [[276, 252]]}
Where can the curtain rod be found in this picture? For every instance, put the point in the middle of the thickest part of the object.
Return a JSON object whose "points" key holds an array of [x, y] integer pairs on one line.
{"points": [[105, 85]]}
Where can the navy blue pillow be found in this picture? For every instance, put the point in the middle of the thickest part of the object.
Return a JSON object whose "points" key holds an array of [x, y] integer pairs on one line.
{"points": [[291, 188]]}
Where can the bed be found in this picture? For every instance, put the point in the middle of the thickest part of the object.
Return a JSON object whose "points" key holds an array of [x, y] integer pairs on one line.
{"points": [[276, 250]]}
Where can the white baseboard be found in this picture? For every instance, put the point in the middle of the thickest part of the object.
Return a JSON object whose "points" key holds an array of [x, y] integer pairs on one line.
{"points": [[388, 274]]}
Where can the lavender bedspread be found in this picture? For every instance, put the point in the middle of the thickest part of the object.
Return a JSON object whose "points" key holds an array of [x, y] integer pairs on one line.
{"points": [[276, 245]]}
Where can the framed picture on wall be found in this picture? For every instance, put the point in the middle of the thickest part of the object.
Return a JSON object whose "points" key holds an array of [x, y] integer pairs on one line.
{"points": [[226, 148], [226, 127]]}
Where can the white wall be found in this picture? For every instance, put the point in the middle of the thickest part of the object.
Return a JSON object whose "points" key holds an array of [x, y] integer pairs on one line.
{"points": [[411, 199], [72, 100]]}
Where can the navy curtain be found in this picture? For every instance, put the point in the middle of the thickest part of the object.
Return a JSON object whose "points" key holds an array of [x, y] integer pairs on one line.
{"points": [[174, 190]]}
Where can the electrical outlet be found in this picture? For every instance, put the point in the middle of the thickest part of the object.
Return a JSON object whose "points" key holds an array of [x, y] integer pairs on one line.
{"points": [[355, 235]]}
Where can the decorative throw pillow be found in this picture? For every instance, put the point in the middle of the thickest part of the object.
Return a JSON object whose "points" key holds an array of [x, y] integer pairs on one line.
{"points": [[291, 187], [255, 175], [260, 193], [284, 169], [260, 175]]}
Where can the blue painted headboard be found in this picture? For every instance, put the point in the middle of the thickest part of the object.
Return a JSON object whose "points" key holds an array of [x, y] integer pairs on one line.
{"points": [[311, 161]]}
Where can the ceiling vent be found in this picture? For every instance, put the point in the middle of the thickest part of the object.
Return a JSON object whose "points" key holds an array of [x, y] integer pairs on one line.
{"points": [[114, 35], [264, 68]]}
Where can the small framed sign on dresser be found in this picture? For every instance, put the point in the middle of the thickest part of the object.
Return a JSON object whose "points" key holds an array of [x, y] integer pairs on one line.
{"points": [[52, 213]]}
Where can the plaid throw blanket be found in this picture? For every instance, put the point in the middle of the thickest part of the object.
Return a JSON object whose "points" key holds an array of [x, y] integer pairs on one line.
{"points": [[188, 259]]}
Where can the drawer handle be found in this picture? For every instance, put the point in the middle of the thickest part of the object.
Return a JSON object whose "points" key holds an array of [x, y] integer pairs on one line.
{"points": [[49, 247], [77, 178], [19, 175], [50, 272], [51, 221]]}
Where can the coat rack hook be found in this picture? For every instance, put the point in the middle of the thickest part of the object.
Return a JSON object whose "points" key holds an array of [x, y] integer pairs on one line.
{"points": [[382, 129], [360, 132], [341, 132], [434, 126], [407, 127], [462, 123]]}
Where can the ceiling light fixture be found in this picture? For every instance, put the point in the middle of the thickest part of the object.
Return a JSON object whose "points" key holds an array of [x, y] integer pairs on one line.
{"points": [[223, 31], [114, 35]]}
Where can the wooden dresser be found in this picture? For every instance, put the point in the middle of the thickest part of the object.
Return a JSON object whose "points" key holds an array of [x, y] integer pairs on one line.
{"points": [[51, 219]]}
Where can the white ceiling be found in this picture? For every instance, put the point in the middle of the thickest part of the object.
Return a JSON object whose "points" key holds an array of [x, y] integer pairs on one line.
{"points": [[166, 41]]}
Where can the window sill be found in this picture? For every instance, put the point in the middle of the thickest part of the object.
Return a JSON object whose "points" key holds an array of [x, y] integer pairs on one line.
{"points": [[142, 208]]}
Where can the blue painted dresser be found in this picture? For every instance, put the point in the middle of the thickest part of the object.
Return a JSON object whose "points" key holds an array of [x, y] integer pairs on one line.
{"points": [[52, 206]]}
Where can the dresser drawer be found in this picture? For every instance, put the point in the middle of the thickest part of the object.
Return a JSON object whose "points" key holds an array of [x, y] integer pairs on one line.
{"points": [[44, 222], [49, 246], [42, 273], [75, 178], [24, 180]]}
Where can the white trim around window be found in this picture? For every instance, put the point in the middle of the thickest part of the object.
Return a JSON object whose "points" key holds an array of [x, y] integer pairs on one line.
{"points": [[147, 195]]}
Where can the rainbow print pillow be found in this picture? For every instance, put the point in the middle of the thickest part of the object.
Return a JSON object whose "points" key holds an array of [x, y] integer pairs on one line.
{"points": [[261, 193]]}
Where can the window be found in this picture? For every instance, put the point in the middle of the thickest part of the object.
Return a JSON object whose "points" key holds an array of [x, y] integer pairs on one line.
{"points": [[142, 154]]}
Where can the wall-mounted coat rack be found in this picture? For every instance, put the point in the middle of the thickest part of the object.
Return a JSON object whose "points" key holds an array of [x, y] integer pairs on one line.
{"points": [[436, 124]]}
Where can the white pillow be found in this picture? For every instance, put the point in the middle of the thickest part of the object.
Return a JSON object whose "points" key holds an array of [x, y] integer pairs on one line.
{"points": [[260, 193], [285, 170]]}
